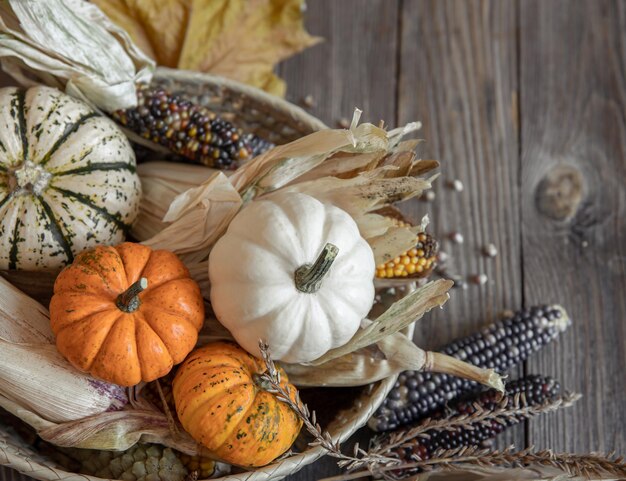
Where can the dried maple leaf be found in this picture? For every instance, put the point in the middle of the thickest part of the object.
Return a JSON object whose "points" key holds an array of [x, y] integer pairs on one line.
{"points": [[238, 39]]}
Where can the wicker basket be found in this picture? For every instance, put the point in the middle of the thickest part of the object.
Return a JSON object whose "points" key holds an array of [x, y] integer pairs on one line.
{"points": [[280, 122]]}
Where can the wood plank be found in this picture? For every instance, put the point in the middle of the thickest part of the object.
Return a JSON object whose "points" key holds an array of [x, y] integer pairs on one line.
{"points": [[573, 131], [458, 75], [354, 67]]}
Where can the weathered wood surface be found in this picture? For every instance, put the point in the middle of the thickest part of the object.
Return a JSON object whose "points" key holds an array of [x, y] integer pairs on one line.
{"points": [[506, 90], [524, 102], [573, 193], [458, 76]]}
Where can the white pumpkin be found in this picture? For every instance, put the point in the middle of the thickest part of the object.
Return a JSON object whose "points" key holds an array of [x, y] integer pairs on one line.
{"points": [[293, 272], [67, 179]]}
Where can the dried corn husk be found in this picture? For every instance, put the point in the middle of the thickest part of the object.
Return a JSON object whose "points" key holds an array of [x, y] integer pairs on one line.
{"points": [[161, 183], [197, 218], [376, 169], [360, 196], [22, 319], [399, 315], [72, 45], [39, 379], [358, 368], [399, 352], [284, 163], [391, 355], [34, 377]]}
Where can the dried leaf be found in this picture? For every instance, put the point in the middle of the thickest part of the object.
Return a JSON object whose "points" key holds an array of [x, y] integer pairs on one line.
{"points": [[239, 39], [244, 39], [158, 27], [71, 44]]}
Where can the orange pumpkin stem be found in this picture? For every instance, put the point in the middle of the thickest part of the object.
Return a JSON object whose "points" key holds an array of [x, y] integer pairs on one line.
{"points": [[308, 278], [128, 301]]}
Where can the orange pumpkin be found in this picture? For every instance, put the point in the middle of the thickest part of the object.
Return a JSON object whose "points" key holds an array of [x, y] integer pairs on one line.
{"points": [[127, 313], [220, 402]]}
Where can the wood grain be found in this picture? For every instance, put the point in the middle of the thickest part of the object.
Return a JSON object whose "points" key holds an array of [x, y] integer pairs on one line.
{"points": [[573, 105], [458, 75], [524, 102], [355, 66]]}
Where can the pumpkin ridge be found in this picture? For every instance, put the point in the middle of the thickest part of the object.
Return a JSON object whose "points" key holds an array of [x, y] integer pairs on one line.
{"points": [[56, 230], [154, 286], [76, 321], [6, 199], [171, 313], [138, 319], [71, 161], [98, 167], [102, 354], [130, 253], [14, 244], [85, 267], [190, 383], [20, 96], [69, 130], [83, 199], [224, 432], [104, 338], [37, 129]]}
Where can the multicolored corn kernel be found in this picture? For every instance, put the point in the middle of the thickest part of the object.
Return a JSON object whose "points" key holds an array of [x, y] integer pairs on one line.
{"points": [[415, 263], [203, 466], [532, 390], [499, 346], [142, 462], [189, 130]]}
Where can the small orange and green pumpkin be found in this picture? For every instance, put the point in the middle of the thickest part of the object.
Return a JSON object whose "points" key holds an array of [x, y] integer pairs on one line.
{"points": [[221, 402]]}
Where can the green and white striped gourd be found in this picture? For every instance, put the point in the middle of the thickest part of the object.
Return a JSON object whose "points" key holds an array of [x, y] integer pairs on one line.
{"points": [[68, 179]]}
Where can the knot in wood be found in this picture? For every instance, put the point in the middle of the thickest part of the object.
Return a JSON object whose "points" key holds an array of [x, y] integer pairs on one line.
{"points": [[560, 192]]}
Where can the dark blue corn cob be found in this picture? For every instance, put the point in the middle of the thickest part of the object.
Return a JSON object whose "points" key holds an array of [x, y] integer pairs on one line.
{"points": [[533, 391], [499, 346]]}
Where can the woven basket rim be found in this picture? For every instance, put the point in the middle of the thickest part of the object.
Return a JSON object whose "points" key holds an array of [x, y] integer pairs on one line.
{"points": [[277, 103], [13, 456]]}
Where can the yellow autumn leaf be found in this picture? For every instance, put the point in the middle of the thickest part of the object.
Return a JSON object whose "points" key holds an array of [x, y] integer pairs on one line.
{"points": [[237, 39]]}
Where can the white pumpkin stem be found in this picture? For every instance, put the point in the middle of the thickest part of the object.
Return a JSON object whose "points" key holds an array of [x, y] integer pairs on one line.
{"points": [[128, 301], [308, 278]]}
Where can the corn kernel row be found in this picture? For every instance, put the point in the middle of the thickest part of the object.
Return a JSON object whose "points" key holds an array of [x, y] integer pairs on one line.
{"points": [[416, 262]]}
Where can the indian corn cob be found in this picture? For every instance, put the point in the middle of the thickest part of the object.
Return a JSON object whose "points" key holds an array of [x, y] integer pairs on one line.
{"points": [[190, 130], [532, 390], [142, 462], [499, 346], [417, 262]]}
